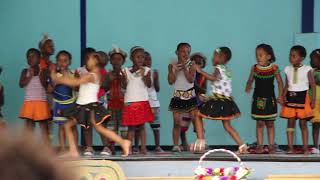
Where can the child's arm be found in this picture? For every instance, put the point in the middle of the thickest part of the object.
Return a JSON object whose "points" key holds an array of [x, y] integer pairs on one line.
{"points": [[123, 79], [313, 88], [147, 79], [210, 77], [171, 74], [156, 83], [25, 77], [250, 81], [285, 90], [44, 78], [280, 87]]}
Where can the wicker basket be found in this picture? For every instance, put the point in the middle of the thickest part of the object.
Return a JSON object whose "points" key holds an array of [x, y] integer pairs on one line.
{"points": [[231, 173]]}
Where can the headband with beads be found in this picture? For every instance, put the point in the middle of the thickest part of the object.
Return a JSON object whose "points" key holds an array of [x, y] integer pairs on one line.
{"points": [[117, 50], [45, 38]]}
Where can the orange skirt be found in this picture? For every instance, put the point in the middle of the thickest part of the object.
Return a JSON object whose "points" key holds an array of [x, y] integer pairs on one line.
{"points": [[35, 110], [296, 113]]}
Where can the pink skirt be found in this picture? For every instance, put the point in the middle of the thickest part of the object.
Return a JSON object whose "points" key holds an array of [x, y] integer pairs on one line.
{"points": [[137, 113]]}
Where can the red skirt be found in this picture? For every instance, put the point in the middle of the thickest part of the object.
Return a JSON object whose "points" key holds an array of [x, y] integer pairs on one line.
{"points": [[137, 113]]}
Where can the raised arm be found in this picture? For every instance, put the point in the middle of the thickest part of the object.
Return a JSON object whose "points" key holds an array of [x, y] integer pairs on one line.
{"points": [[73, 82], [250, 80], [210, 77], [171, 74], [189, 73], [24, 78]]}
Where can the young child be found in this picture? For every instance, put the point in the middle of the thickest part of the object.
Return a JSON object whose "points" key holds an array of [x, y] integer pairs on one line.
{"points": [[299, 79], [220, 105], [113, 84], [182, 75], [315, 64], [2, 121], [88, 111], [137, 110], [46, 47], [153, 101], [264, 104], [104, 59], [63, 96], [35, 107], [87, 132]]}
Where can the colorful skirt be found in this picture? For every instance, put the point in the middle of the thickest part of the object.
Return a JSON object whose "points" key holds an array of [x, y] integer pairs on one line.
{"points": [[35, 110], [264, 108], [137, 113], [296, 110], [57, 112], [82, 113], [219, 107], [183, 101]]}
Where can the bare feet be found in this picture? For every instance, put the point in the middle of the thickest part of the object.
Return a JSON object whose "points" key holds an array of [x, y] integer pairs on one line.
{"points": [[260, 149], [126, 146], [290, 151], [159, 150], [306, 151], [143, 151]]}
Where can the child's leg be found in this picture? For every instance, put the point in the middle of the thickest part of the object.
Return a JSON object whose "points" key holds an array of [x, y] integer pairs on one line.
{"points": [[125, 144], [156, 134], [271, 132], [315, 134], [88, 139], [304, 131], [29, 125], [198, 123], [62, 137], [290, 133], [44, 131], [184, 141], [143, 137], [75, 133], [131, 133], [176, 128], [69, 126], [156, 129], [260, 130], [136, 139], [233, 133]]}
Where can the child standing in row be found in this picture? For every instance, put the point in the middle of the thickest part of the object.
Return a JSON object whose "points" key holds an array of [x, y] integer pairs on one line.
{"points": [[315, 64], [220, 105], [88, 111], [115, 80], [299, 79], [264, 104], [137, 110], [63, 96], [181, 75], [35, 107]]}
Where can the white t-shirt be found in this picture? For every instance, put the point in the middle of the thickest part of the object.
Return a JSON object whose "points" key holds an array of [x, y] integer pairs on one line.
{"points": [[88, 92], [301, 82], [136, 89]]}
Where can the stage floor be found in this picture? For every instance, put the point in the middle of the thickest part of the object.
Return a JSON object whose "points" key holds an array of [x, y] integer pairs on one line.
{"points": [[188, 156]]}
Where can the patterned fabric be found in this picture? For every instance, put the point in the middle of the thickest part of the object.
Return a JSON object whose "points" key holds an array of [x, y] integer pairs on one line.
{"points": [[264, 104], [180, 105], [305, 113], [223, 85], [34, 91], [316, 110], [116, 95]]}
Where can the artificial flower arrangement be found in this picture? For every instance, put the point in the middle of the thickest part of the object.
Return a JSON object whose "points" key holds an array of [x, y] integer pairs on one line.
{"points": [[230, 173]]}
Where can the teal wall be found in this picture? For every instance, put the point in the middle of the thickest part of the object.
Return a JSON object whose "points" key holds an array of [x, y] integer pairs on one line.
{"points": [[158, 26]]}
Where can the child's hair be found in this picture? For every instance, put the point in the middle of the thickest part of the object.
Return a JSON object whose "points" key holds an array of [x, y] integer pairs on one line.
{"points": [[88, 50], [45, 38], [147, 53], [203, 58], [183, 44], [95, 56], [134, 49], [65, 53], [269, 50], [33, 50], [104, 58], [226, 51], [300, 49], [117, 50], [314, 54]]}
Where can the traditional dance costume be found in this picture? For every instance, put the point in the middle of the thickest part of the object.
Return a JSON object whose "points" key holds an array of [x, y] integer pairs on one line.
{"points": [[220, 105], [184, 98], [200, 87], [63, 97], [87, 101], [155, 105], [137, 110], [316, 110], [35, 106], [298, 101], [264, 104], [115, 106]]}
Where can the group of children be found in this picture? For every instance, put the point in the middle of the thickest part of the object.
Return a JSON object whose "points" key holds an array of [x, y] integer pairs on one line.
{"points": [[118, 103]]}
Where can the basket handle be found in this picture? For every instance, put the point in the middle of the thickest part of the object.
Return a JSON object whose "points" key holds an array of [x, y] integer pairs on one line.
{"points": [[219, 150]]}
